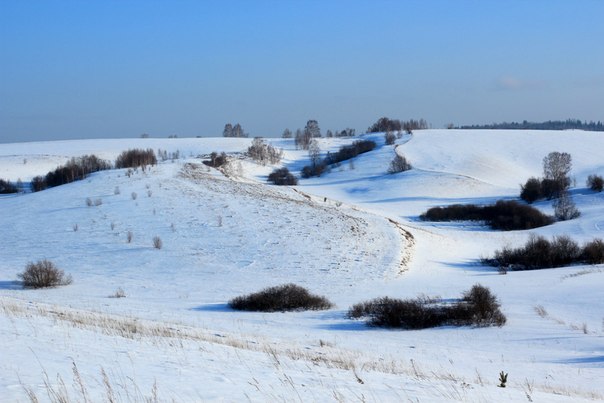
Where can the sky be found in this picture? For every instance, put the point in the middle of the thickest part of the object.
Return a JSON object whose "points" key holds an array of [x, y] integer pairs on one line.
{"points": [[121, 68]]}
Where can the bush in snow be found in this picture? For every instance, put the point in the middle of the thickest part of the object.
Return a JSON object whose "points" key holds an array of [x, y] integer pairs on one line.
{"points": [[564, 208], [531, 190], [503, 215], [282, 176], [216, 160], [157, 243], [478, 307], [42, 274], [595, 182], [389, 138], [286, 297], [398, 164], [593, 252], [540, 253]]}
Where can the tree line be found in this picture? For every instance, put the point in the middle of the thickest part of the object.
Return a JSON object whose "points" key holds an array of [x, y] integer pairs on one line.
{"points": [[568, 124]]}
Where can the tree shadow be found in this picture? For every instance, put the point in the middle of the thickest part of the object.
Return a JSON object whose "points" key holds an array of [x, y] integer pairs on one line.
{"points": [[11, 285], [213, 308]]}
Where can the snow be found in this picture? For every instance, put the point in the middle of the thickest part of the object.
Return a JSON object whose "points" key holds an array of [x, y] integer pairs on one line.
{"points": [[344, 235]]}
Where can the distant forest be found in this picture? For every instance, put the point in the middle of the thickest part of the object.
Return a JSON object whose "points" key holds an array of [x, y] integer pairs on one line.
{"points": [[549, 125]]}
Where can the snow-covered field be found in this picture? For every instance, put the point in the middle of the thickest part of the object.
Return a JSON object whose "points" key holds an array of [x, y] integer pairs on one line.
{"points": [[351, 235]]}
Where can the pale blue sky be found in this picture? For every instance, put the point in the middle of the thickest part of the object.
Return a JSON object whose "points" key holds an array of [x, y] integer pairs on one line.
{"points": [[89, 69]]}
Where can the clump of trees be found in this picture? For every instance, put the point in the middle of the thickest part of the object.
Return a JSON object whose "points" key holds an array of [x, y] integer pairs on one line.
{"points": [[541, 253], [318, 166], [43, 273], [7, 187], [477, 307], [286, 297], [385, 124], [135, 158], [282, 177], [304, 137], [233, 131], [505, 215], [554, 185], [264, 153], [75, 169]]}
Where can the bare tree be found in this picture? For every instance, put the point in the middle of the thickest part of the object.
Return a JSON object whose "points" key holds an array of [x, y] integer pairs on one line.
{"points": [[312, 129], [564, 207], [287, 134], [398, 164], [389, 138], [314, 152], [557, 165]]}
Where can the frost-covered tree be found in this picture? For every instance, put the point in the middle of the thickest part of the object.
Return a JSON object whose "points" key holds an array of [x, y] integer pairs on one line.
{"points": [[287, 134]]}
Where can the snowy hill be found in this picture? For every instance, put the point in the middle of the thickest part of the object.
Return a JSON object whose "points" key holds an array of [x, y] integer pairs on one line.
{"points": [[351, 235]]}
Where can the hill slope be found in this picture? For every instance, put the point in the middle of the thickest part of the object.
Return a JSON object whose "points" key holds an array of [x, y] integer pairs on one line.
{"points": [[223, 238]]}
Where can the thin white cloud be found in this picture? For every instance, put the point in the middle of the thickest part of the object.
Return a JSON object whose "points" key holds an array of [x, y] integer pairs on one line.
{"points": [[511, 83]]}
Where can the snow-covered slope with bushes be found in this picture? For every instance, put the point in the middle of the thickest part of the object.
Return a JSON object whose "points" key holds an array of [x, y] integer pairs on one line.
{"points": [[351, 235]]}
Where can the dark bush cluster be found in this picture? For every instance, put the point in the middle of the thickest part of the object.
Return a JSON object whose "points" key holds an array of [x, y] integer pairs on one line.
{"points": [[42, 274], [7, 187], [504, 215], [135, 158], [282, 177], [75, 169], [264, 153], [286, 297], [536, 189], [478, 307], [351, 151], [385, 124], [343, 154], [540, 253], [216, 160], [595, 182]]}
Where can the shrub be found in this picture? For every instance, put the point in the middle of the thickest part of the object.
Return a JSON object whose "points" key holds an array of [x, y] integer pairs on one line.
{"points": [[564, 208], [42, 274], [157, 243], [540, 253], [389, 138], [482, 307], [264, 153], [135, 158], [286, 297], [216, 160], [531, 190], [595, 182], [593, 252], [7, 187], [503, 215], [398, 164], [129, 236], [477, 307], [282, 176]]}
